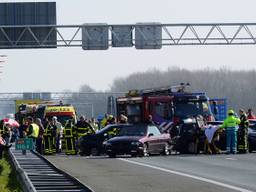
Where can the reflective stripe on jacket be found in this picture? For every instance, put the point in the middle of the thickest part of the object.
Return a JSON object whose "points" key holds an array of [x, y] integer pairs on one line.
{"points": [[230, 122]]}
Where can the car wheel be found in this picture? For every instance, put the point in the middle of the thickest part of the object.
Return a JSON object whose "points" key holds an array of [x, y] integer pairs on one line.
{"points": [[250, 147], [81, 153], [145, 150], [112, 155], [193, 148], [134, 154], [94, 151], [167, 149]]}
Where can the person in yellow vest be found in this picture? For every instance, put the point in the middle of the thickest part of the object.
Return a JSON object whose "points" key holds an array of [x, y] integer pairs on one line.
{"points": [[70, 137], [230, 125], [104, 121], [39, 140], [33, 130]]}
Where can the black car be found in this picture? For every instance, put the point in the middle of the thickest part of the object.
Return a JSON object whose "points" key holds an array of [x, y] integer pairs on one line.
{"points": [[252, 136], [139, 140], [92, 144], [189, 136]]}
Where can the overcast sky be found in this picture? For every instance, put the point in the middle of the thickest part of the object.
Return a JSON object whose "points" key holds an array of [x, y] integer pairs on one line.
{"points": [[69, 68]]}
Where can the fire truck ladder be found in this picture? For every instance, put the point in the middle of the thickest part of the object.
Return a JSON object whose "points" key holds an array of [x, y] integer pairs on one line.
{"points": [[181, 88]]}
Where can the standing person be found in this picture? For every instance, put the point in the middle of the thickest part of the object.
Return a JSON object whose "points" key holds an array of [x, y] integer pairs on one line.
{"points": [[1, 127], [33, 130], [59, 130], [215, 110], [47, 137], [69, 136], [3, 146], [243, 132], [7, 133], [230, 125], [83, 127], [39, 140], [104, 121], [53, 136], [250, 114]]}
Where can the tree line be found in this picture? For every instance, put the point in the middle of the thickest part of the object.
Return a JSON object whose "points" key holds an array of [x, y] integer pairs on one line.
{"points": [[239, 87]]}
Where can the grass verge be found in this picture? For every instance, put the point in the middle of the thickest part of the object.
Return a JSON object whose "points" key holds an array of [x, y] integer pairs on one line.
{"points": [[8, 177]]}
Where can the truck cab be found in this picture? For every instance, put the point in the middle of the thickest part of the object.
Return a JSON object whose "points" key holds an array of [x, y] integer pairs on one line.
{"points": [[164, 105], [62, 112]]}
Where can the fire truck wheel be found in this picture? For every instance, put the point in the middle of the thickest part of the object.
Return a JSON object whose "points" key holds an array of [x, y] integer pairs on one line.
{"points": [[111, 155]]}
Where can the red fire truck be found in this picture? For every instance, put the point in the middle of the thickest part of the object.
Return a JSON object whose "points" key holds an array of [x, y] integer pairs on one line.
{"points": [[167, 105]]}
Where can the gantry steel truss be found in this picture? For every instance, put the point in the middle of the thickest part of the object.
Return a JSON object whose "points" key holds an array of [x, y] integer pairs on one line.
{"points": [[172, 34]]}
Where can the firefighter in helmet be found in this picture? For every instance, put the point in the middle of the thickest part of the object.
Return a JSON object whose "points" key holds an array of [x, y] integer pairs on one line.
{"points": [[242, 132], [70, 133], [48, 138], [83, 128]]}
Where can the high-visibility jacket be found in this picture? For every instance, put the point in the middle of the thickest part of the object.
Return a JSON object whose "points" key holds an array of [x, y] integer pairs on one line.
{"points": [[48, 130], [35, 131], [69, 130], [244, 122], [2, 128], [231, 122], [103, 122]]}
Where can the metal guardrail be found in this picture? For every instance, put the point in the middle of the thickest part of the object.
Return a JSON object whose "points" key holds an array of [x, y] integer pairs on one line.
{"points": [[39, 175]]}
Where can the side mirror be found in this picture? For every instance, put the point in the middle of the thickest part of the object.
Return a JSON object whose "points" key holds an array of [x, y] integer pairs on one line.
{"points": [[150, 134]]}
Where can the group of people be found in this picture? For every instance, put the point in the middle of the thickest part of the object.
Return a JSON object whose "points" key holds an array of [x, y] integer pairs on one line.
{"points": [[48, 135], [236, 131]]}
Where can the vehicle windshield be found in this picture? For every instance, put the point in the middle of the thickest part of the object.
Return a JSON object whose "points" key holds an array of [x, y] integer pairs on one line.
{"points": [[61, 119], [137, 130], [192, 108], [133, 109]]}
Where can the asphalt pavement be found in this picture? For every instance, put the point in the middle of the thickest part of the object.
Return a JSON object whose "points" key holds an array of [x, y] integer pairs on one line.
{"points": [[175, 173]]}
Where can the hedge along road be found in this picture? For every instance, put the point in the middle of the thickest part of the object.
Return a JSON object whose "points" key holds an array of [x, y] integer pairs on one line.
{"points": [[173, 173]]}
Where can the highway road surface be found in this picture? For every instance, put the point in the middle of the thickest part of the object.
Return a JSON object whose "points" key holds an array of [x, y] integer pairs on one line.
{"points": [[175, 173]]}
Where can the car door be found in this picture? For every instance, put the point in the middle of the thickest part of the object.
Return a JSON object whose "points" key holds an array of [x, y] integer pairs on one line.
{"points": [[154, 139]]}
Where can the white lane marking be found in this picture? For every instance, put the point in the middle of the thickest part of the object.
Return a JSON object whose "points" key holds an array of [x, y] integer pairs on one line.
{"points": [[231, 159], [188, 175]]}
